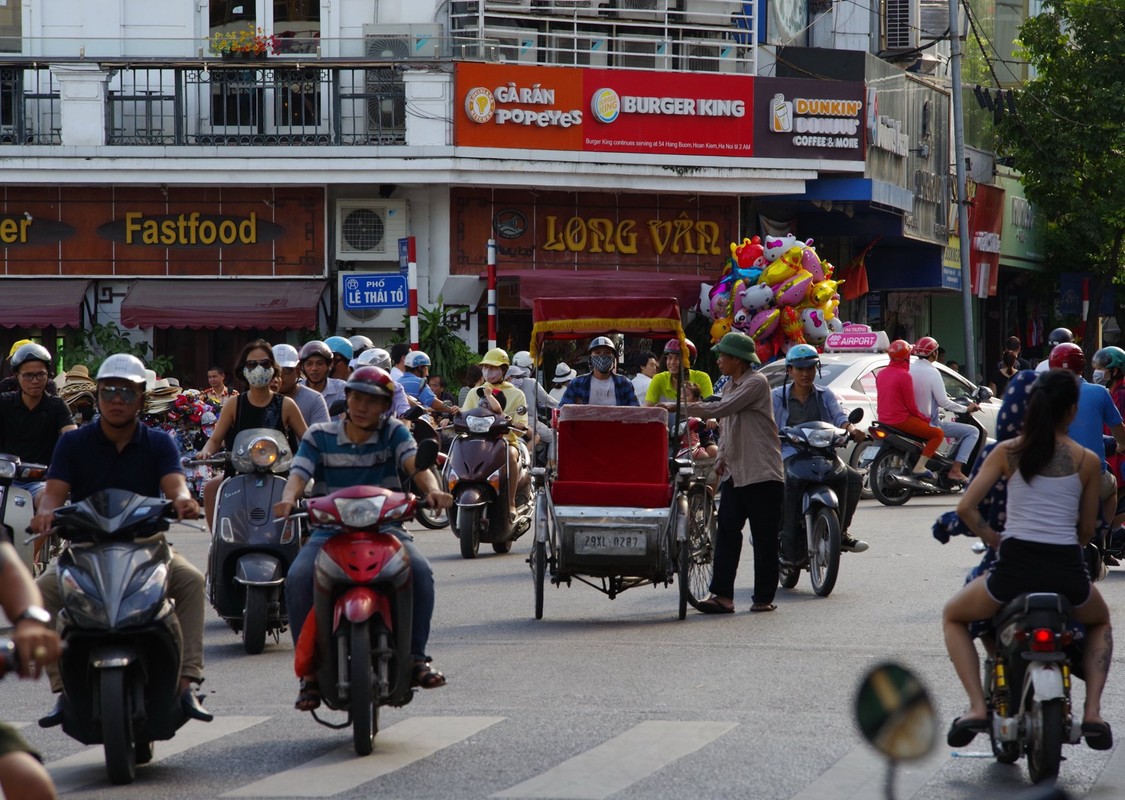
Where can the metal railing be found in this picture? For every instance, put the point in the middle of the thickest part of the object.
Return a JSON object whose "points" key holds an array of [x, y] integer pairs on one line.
{"points": [[29, 106]]}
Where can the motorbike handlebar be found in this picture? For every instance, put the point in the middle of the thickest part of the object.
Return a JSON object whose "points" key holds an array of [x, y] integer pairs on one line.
{"points": [[9, 657], [219, 459]]}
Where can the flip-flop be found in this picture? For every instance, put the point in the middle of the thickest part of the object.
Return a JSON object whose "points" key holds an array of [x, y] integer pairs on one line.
{"points": [[308, 699], [712, 606], [1098, 735], [963, 731], [426, 677], [758, 608]]}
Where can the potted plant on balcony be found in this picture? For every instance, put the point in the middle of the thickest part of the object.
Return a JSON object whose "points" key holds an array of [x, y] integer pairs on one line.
{"points": [[246, 44]]}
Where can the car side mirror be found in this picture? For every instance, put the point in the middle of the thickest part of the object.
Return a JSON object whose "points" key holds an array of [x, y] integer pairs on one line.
{"points": [[855, 416], [983, 394], [426, 456]]}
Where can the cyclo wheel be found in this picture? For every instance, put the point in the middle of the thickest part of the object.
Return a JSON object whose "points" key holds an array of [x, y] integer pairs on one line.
{"points": [[117, 727], [1044, 744], [539, 575], [889, 494], [697, 562], [824, 560], [364, 712]]}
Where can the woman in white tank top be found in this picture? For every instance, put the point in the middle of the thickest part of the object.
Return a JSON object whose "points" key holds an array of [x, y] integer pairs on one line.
{"points": [[1052, 512]]}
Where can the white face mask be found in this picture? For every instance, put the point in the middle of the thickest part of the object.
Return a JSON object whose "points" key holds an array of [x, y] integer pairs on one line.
{"points": [[258, 377], [1099, 376], [493, 374]]}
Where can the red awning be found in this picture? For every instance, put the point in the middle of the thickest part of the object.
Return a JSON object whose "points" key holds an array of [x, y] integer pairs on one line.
{"points": [[42, 303], [535, 283], [229, 304]]}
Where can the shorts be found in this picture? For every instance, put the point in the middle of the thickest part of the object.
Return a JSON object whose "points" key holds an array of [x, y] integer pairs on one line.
{"points": [[12, 742], [1024, 566], [1108, 487]]}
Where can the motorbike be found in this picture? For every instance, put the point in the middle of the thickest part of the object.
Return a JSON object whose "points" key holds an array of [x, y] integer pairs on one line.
{"points": [[893, 453], [1027, 684], [123, 646], [363, 607], [432, 518], [250, 551], [477, 476], [17, 509], [815, 463]]}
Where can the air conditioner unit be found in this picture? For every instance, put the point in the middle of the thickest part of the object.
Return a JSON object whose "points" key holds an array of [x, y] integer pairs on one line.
{"points": [[402, 42], [642, 9], [710, 55], [369, 230], [578, 51], [509, 45], [369, 318], [900, 25], [578, 8], [714, 13], [642, 52]]}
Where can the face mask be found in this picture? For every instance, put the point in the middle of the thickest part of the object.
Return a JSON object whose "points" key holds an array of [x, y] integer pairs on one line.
{"points": [[601, 363], [1099, 376], [259, 376], [493, 374]]}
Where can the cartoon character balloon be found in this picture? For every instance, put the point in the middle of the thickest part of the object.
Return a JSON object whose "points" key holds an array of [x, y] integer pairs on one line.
{"points": [[814, 325], [810, 262], [763, 323], [792, 292], [719, 329], [757, 297], [775, 247]]}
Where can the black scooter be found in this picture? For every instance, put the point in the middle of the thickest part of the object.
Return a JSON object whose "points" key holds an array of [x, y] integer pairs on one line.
{"points": [[815, 464], [894, 452], [251, 551], [121, 665]]}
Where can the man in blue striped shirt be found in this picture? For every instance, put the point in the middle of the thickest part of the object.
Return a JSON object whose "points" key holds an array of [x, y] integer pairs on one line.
{"points": [[364, 448]]}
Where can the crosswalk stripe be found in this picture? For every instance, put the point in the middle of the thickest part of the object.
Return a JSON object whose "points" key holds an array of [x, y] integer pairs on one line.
{"points": [[341, 769], [862, 773], [88, 766], [621, 761]]}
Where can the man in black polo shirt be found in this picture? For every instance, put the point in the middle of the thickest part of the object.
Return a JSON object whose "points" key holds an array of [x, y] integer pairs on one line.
{"points": [[31, 420], [117, 452]]}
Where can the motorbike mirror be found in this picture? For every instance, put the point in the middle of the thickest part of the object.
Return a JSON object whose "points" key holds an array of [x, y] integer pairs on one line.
{"points": [[426, 456], [895, 713], [983, 394], [337, 408], [855, 416]]}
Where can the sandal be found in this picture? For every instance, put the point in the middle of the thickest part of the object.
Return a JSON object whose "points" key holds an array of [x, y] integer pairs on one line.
{"points": [[760, 607], [712, 606], [427, 677], [308, 699]]}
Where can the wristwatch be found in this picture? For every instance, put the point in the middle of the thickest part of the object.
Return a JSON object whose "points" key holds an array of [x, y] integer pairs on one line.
{"points": [[36, 613]]}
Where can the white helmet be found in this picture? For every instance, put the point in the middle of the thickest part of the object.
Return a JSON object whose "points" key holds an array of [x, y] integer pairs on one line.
{"points": [[416, 359], [286, 355], [375, 357], [522, 359], [124, 367], [359, 343]]}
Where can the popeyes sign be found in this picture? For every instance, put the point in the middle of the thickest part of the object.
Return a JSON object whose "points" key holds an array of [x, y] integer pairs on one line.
{"points": [[597, 110]]}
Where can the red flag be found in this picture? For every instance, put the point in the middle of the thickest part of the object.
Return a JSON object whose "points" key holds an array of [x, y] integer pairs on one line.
{"points": [[855, 274]]}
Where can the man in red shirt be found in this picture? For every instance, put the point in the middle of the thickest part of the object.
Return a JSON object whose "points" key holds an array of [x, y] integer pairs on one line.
{"points": [[896, 406]]}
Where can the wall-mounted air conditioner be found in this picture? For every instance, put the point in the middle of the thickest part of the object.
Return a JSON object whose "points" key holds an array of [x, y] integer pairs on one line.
{"points": [[642, 9], [369, 230], [402, 42], [901, 26], [709, 55], [642, 52], [578, 8], [578, 51], [510, 45], [714, 13]]}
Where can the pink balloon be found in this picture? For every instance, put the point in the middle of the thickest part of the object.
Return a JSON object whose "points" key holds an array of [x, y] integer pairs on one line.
{"points": [[793, 291], [810, 261], [763, 323]]}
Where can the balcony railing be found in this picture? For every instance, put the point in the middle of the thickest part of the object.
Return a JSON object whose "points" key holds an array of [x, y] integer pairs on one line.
{"points": [[29, 106]]}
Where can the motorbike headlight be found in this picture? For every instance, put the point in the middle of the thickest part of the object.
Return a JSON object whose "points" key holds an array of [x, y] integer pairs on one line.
{"points": [[143, 601], [361, 512], [263, 452], [480, 424], [7, 469], [822, 437], [79, 598]]}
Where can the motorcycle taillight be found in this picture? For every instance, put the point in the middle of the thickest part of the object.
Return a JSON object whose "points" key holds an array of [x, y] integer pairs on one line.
{"points": [[1042, 640]]}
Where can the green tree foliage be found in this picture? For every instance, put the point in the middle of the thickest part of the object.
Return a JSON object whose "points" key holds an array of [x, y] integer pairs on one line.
{"points": [[104, 339], [1068, 136], [449, 355]]}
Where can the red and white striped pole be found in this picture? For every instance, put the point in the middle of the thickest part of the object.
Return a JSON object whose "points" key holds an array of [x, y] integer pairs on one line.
{"points": [[491, 293], [412, 291]]}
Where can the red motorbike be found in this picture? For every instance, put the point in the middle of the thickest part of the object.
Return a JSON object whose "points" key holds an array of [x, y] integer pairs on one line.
{"points": [[363, 608]]}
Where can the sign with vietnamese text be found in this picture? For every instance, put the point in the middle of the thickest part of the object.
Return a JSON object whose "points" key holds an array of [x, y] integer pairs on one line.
{"points": [[379, 290]]}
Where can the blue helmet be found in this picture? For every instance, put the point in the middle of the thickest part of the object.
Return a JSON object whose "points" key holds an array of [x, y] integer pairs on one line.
{"points": [[340, 346], [802, 355]]}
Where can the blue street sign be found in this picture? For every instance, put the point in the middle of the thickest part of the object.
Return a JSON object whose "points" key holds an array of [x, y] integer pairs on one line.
{"points": [[403, 253], [375, 291]]}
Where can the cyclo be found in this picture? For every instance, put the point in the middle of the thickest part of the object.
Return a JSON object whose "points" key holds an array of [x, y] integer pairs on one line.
{"points": [[614, 508]]}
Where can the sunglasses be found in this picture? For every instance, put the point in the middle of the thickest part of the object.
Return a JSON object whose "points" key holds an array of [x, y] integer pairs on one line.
{"points": [[126, 394], [252, 363]]}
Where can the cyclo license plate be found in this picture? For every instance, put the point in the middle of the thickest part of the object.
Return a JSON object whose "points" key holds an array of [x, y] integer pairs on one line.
{"points": [[628, 542]]}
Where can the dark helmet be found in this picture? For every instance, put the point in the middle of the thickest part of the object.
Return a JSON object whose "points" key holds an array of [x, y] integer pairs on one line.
{"points": [[371, 380], [31, 352], [316, 348], [1068, 356], [1110, 358], [1059, 336]]}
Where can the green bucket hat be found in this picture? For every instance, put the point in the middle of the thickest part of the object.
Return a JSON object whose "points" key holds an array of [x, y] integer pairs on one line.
{"points": [[738, 345]]}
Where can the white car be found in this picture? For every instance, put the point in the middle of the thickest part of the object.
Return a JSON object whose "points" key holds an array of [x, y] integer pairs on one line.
{"points": [[852, 377]]}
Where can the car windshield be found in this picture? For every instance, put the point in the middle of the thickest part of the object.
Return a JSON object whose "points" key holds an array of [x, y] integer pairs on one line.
{"points": [[775, 373]]}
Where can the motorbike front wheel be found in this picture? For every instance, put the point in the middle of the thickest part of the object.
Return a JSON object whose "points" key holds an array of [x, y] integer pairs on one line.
{"points": [[883, 488], [117, 727], [361, 705], [468, 530], [254, 619], [433, 518], [824, 559], [1045, 739]]}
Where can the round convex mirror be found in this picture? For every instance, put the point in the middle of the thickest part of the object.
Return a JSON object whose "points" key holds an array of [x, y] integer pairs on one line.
{"points": [[895, 713]]}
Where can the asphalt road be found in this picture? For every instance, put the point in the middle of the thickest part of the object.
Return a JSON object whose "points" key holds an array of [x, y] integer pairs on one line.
{"points": [[606, 698]]}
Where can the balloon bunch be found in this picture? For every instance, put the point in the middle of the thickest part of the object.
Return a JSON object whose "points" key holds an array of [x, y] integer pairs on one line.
{"points": [[778, 291]]}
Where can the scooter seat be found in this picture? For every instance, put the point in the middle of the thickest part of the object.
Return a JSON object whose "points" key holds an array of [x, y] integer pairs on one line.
{"points": [[1036, 601], [899, 432]]}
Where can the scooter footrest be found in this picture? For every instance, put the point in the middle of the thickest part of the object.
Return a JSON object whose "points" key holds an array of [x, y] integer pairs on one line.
{"points": [[1006, 729]]}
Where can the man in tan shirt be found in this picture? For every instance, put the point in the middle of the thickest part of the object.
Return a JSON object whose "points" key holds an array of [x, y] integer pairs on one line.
{"points": [[749, 465]]}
